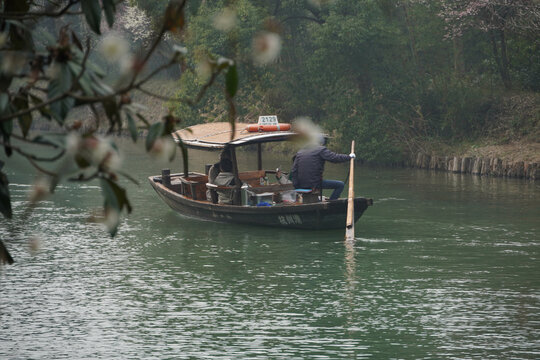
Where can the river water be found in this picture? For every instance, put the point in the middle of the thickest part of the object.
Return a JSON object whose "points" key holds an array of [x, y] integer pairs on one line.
{"points": [[443, 266]]}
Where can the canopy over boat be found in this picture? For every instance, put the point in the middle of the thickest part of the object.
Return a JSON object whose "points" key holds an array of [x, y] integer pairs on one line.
{"points": [[214, 136]]}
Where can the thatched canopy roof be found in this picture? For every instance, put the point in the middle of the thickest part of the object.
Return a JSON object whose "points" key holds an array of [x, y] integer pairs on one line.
{"points": [[216, 135]]}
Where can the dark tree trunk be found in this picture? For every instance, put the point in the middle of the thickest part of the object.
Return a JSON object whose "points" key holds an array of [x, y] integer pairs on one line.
{"points": [[459, 64], [504, 62], [502, 58]]}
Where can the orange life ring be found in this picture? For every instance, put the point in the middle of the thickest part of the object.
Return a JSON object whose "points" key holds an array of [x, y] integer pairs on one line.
{"points": [[261, 128]]}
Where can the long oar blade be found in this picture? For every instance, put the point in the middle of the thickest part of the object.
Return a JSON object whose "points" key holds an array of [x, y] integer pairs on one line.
{"points": [[349, 229]]}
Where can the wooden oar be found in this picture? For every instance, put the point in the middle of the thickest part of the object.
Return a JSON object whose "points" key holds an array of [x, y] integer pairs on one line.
{"points": [[349, 229]]}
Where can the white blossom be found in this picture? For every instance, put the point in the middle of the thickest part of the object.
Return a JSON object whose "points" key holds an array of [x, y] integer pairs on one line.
{"points": [[114, 47], [266, 47], [34, 244], [203, 69], [12, 62], [126, 64], [180, 50], [73, 143], [225, 20], [224, 61], [40, 190], [163, 149], [99, 151]]}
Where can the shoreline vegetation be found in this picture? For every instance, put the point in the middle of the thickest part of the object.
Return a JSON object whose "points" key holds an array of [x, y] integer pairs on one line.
{"points": [[510, 148], [518, 158]]}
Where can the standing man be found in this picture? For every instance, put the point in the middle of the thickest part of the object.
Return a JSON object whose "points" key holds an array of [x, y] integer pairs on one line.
{"points": [[308, 167]]}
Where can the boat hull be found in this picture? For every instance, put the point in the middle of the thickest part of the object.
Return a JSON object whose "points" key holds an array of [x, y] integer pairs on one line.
{"points": [[315, 216]]}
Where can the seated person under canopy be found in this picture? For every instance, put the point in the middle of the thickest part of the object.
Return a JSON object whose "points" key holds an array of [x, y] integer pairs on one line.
{"points": [[214, 171], [225, 178]]}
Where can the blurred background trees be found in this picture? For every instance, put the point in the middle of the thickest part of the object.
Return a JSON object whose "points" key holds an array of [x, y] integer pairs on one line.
{"points": [[392, 74]]}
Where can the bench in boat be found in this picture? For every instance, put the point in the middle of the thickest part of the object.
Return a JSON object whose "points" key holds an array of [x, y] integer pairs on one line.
{"points": [[195, 185]]}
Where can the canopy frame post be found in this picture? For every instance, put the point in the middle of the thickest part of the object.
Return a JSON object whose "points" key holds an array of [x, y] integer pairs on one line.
{"points": [[259, 156], [237, 181]]}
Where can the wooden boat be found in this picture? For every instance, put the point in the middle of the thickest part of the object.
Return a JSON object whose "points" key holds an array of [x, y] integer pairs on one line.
{"points": [[187, 194]]}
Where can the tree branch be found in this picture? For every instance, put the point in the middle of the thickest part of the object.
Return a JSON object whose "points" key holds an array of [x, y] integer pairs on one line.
{"points": [[34, 157], [303, 17]]}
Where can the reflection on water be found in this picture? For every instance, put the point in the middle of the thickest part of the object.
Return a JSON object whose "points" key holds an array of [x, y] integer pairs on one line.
{"points": [[443, 266]]}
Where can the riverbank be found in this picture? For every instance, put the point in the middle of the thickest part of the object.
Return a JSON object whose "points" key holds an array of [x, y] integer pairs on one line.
{"points": [[515, 160]]}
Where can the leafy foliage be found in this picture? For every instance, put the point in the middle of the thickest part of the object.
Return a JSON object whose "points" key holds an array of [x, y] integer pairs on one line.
{"points": [[48, 77]]}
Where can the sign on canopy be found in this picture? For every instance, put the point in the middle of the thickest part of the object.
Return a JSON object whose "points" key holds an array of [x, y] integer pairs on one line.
{"points": [[268, 120]]}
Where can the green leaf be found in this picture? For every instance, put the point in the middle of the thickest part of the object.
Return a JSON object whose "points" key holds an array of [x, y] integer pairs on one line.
{"points": [[231, 81], [5, 200], [85, 83], [19, 24], [21, 37], [115, 198], [6, 128], [101, 88], [185, 156], [25, 121], [132, 127], [111, 110], [155, 131], [5, 257], [50, 139], [95, 68], [61, 83], [44, 111], [61, 108], [74, 68], [143, 119], [76, 41], [4, 100], [45, 37], [92, 13], [109, 8], [5, 80]]}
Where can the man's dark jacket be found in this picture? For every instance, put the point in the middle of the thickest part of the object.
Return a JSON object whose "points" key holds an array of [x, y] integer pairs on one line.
{"points": [[308, 166]]}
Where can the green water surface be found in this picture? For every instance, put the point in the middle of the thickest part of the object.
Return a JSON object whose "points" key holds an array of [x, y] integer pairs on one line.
{"points": [[444, 266]]}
